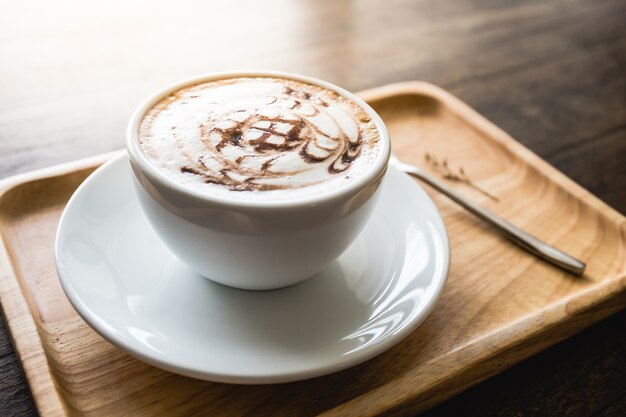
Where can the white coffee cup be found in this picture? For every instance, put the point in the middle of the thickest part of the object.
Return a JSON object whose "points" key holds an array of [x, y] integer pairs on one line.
{"points": [[254, 245]]}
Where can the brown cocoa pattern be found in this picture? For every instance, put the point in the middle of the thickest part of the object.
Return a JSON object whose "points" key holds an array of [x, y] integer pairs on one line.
{"points": [[299, 138]]}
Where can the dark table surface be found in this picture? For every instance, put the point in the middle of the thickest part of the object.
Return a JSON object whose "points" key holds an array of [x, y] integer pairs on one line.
{"points": [[551, 73]]}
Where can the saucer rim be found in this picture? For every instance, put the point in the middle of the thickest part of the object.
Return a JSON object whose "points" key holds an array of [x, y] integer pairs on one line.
{"points": [[339, 364]]}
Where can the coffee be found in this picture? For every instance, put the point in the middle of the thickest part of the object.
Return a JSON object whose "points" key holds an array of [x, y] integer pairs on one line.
{"points": [[259, 138], [257, 180]]}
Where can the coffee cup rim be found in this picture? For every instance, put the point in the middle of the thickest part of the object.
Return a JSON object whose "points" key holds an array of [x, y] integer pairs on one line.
{"points": [[139, 159]]}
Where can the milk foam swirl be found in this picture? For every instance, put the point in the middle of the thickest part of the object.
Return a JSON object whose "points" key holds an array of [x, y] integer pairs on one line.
{"points": [[258, 134]]}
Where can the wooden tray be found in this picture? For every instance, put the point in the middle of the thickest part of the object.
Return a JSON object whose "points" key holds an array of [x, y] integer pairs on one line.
{"points": [[500, 305]]}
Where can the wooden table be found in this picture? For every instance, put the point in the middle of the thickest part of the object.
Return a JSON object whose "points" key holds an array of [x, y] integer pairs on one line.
{"points": [[551, 73]]}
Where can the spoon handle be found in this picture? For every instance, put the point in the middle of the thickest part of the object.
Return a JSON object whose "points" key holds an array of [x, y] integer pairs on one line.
{"points": [[517, 235]]}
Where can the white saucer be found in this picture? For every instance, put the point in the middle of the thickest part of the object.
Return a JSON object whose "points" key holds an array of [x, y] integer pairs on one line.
{"points": [[126, 284]]}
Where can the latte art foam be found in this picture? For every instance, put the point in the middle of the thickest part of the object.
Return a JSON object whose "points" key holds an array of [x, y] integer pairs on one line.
{"points": [[265, 137]]}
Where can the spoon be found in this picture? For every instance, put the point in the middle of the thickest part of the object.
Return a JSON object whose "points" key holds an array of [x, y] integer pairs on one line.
{"points": [[517, 235]]}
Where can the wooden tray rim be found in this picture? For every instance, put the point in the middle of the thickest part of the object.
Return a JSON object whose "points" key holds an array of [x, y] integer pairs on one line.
{"points": [[17, 315]]}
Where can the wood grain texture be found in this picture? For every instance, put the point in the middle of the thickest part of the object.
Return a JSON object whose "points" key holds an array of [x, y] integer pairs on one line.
{"points": [[550, 72], [500, 304], [563, 392]]}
